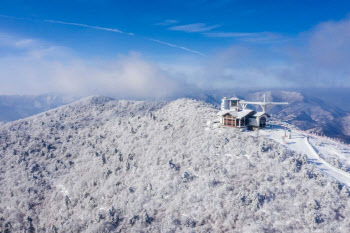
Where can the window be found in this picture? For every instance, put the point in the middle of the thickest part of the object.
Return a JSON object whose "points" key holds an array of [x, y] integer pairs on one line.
{"points": [[233, 103]]}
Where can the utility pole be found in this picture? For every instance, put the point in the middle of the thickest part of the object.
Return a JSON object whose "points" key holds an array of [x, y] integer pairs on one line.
{"points": [[285, 132], [290, 134]]}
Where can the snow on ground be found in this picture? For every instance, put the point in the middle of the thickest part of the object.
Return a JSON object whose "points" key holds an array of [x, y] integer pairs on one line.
{"points": [[334, 153], [102, 165], [311, 146]]}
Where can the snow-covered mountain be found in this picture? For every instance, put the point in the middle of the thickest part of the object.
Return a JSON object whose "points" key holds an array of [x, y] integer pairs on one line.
{"points": [[101, 165], [304, 111]]}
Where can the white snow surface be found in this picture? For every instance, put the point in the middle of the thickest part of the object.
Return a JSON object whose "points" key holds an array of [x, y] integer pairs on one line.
{"points": [[101, 165], [300, 142]]}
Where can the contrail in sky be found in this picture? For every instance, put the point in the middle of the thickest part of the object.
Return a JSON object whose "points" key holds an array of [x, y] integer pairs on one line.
{"points": [[116, 30], [84, 25], [179, 47], [108, 29]]}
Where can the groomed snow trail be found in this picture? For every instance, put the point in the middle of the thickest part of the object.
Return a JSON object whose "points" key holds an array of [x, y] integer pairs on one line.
{"points": [[336, 173], [300, 143]]}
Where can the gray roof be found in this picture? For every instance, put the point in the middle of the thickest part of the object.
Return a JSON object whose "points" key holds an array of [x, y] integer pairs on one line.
{"points": [[259, 114], [236, 114]]}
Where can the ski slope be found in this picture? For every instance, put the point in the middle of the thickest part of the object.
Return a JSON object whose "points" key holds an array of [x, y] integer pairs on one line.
{"points": [[300, 142]]}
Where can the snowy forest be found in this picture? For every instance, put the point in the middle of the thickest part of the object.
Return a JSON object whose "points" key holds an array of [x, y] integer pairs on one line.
{"points": [[104, 165]]}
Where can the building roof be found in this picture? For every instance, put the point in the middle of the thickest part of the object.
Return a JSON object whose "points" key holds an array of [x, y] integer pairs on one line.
{"points": [[236, 114], [259, 114], [234, 98]]}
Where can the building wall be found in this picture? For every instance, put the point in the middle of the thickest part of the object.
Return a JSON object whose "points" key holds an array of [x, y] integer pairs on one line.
{"points": [[253, 122], [229, 121], [225, 104]]}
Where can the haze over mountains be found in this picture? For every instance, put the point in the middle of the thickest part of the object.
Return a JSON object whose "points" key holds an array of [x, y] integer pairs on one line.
{"points": [[305, 111], [309, 110], [13, 107], [102, 165], [309, 113]]}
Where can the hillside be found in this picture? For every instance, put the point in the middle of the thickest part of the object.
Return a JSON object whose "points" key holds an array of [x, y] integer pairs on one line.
{"points": [[101, 165]]}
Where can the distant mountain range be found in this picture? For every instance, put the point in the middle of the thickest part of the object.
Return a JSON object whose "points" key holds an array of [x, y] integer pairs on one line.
{"points": [[307, 110], [13, 107], [304, 111], [310, 114]]}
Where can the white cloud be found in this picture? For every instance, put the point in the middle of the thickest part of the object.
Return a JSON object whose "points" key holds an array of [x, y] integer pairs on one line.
{"points": [[24, 43], [167, 22], [127, 77], [320, 56], [255, 37], [316, 58], [230, 34], [45, 68], [195, 27]]}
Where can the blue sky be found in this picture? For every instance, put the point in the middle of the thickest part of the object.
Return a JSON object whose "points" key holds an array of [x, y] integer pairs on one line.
{"points": [[178, 39]]}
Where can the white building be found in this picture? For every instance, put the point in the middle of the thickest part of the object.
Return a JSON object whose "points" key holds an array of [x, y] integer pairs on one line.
{"points": [[235, 114]]}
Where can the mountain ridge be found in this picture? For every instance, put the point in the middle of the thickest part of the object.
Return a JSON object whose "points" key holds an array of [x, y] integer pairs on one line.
{"points": [[112, 165]]}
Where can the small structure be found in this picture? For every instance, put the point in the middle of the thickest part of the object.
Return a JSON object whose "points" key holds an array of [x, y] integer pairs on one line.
{"points": [[234, 113]]}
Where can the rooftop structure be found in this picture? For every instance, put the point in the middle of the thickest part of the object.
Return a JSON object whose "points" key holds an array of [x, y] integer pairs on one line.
{"points": [[262, 104], [234, 113]]}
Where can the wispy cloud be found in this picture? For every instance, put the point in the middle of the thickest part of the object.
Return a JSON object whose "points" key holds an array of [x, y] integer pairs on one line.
{"points": [[262, 37], [10, 17], [230, 34], [167, 22], [87, 26], [307, 61], [176, 46], [105, 29], [195, 27]]}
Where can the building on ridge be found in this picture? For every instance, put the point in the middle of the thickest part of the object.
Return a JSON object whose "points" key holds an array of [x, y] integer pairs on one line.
{"points": [[234, 113]]}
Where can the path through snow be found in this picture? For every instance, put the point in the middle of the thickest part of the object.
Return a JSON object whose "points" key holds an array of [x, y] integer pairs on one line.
{"points": [[300, 142]]}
